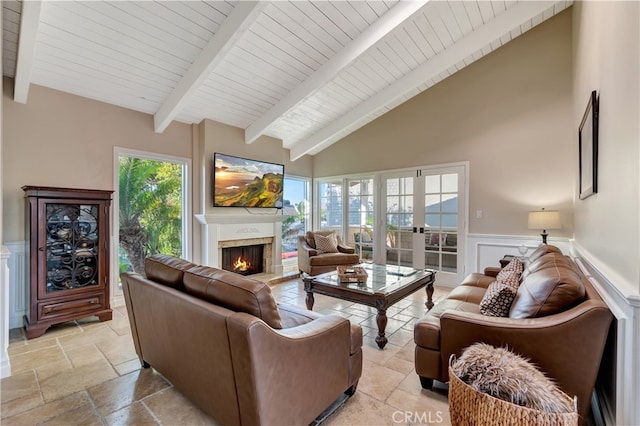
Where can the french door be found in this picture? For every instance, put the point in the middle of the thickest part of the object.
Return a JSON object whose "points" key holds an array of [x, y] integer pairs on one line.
{"points": [[424, 220]]}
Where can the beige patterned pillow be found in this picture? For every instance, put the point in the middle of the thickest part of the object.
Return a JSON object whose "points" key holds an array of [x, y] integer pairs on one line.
{"points": [[510, 278], [497, 299], [511, 273], [327, 244]]}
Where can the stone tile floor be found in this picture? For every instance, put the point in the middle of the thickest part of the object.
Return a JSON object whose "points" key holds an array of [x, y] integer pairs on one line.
{"points": [[86, 372]]}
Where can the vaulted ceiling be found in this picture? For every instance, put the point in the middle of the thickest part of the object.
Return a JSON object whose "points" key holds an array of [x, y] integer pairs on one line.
{"points": [[306, 72]]}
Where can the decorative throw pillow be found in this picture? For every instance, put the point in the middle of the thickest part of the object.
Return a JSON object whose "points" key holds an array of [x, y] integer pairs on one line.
{"points": [[505, 375], [511, 273], [515, 265], [510, 278], [328, 244], [497, 299]]}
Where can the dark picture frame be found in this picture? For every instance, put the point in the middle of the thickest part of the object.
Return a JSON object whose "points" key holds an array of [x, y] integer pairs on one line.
{"points": [[588, 148]]}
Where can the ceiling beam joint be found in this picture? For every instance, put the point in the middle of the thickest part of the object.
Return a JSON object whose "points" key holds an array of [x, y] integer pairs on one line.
{"points": [[341, 60], [29, 21], [232, 29]]}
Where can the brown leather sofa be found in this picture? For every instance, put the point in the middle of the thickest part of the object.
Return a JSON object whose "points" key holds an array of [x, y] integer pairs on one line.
{"points": [[221, 339], [557, 320], [314, 262]]}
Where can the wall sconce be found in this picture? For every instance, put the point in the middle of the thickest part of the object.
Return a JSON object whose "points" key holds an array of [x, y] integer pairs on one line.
{"points": [[544, 219]]}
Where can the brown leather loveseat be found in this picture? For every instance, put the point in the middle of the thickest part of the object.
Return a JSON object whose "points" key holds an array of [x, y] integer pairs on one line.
{"points": [[557, 320], [221, 339]]}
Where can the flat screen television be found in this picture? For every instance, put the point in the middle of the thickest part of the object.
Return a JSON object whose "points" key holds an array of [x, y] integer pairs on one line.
{"points": [[240, 182]]}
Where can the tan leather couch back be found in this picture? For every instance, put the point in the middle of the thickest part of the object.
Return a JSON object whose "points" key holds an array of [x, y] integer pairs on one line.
{"points": [[233, 291], [554, 286]]}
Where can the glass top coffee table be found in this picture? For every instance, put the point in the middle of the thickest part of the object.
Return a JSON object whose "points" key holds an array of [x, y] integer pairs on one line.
{"points": [[384, 286]]}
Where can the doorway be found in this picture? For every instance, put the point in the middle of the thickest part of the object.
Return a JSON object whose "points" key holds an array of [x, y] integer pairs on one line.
{"points": [[424, 220]]}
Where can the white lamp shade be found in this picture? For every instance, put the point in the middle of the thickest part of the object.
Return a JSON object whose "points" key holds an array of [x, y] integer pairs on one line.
{"points": [[545, 219]]}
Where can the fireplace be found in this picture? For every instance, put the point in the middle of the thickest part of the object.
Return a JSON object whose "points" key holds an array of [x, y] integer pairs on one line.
{"points": [[244, 260], [256, 251], [234, 230]]}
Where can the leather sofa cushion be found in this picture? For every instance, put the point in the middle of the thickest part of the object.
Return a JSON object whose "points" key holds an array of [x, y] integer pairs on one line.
{"points": [[233, 291], [166, 270], [547, 291], [426, 331]]}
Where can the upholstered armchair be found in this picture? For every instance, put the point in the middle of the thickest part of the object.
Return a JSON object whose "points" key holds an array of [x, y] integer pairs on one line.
{"points": [[323, 254]]}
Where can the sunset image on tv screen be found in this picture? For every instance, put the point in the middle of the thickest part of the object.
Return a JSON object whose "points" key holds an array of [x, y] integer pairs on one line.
{"points": [[239, 182]]}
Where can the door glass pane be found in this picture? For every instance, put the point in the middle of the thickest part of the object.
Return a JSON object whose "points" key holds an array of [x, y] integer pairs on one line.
{"points": [[441, 221], [450, 183], [399, 221], [71, 246], [360, 216]]}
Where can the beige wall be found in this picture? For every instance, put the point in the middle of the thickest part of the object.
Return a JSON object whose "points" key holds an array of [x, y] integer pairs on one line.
{"points": [[58, 139], [508, 114], [606, 51], [218, 137]]}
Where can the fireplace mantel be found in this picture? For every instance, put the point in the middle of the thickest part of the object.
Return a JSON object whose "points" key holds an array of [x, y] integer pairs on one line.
{"points": [[233, 227], [208, 219]]}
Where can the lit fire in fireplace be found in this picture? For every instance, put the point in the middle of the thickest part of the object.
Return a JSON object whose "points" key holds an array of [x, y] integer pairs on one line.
{"points": [[241, 264]]}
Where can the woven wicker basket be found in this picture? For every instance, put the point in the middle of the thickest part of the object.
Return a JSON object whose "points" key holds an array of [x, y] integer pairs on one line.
{"points": [[469, 407]]}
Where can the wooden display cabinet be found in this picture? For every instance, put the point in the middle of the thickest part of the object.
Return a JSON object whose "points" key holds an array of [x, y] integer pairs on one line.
{"points": [[68, 244]]}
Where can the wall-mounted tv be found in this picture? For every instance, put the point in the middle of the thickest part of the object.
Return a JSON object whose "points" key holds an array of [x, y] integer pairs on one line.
{"points": [[240, 182]]}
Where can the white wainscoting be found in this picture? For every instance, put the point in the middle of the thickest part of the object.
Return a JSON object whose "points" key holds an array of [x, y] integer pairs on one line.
{"points": [[18, 282], [626, 310], [487, 249], [5, 364]]}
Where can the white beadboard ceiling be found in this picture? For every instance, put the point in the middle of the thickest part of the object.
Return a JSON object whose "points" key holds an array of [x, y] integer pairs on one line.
{"points": [[306, 72]]}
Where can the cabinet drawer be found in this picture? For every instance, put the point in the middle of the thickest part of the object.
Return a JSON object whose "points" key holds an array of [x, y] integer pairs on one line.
{"points": [[57, 309]]}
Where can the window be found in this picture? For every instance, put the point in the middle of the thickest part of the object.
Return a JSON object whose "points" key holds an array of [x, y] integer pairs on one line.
{"points": [[330, 203], [297, 208]]}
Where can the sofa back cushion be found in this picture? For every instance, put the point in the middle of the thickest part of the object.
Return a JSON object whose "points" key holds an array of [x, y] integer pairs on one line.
{"points": [[549, 260], [166, 270], [547, 291], [233, 291], [541, 251]]}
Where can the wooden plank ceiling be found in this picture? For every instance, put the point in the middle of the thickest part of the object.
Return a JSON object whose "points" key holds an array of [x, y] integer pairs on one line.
{"points": [[306, 72]]}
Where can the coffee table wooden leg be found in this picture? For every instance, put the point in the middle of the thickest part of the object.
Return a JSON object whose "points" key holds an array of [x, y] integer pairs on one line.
{"points": [[310, 300], [429, 301], [381, 319]]}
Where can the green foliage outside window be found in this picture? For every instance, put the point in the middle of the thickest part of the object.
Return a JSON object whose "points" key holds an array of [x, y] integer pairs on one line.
{"points": [[150, 197]]}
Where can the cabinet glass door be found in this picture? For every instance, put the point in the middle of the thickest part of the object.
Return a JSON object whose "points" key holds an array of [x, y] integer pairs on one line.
{"points": [[71, 246]]}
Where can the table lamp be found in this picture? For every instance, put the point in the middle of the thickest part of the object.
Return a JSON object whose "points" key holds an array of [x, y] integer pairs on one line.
{"points": [[544, 219]]}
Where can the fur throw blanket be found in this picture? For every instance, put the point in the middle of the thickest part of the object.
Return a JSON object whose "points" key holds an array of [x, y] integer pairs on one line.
{"points": [[502, 374]]}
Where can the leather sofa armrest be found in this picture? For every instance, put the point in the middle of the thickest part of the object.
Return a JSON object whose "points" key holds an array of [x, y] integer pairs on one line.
{"points": [[314, 356], [492, 271], [567, 346], [346, 249], [304, 246], [292, 316]]}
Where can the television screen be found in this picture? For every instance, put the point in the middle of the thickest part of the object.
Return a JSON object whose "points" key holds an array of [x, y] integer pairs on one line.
{"points": [[239, 182]]}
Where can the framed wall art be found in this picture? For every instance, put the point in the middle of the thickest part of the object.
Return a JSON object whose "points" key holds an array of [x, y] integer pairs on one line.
{"points": [[588, 148]]}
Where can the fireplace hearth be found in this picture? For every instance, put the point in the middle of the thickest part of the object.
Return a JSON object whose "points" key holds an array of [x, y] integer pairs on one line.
{"points": [[244, 260]]}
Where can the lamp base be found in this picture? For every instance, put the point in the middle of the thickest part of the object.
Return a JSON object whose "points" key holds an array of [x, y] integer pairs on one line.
{"points": [[544, 237]]}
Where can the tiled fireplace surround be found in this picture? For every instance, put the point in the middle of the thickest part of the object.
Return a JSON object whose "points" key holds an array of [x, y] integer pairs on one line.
{"points": [[234, 230]]}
